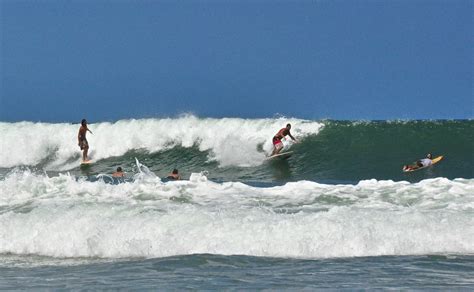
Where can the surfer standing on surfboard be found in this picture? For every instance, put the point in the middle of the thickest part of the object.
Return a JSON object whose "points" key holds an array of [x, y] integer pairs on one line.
{"points": [[277, 144], [82, 141]]}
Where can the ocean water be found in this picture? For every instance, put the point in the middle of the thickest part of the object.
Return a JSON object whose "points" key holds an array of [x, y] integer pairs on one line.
{"points": [[339, 213]]}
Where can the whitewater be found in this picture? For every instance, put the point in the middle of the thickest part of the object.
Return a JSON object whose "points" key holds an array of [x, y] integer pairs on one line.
{"points": [[231, 141], [67, 217], [340, 202]]}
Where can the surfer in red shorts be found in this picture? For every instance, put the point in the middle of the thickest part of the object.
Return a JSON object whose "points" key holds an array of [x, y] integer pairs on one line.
{"points": [[82, 141], [277, 144]]}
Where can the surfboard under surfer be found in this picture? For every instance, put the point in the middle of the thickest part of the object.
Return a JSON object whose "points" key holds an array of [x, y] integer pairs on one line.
{"points": [[82, 141], [424, 162], [277, 144]]}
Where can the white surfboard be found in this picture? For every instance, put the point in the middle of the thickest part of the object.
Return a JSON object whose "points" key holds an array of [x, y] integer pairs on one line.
{"points": [[88, 162], [281, 155]]}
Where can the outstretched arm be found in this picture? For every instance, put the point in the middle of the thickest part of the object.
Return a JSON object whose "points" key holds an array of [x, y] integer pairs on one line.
{"points": [[292, 138]]}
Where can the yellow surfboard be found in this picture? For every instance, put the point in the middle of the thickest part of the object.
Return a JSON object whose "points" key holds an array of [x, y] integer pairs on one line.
{"points": [[433, 161]]}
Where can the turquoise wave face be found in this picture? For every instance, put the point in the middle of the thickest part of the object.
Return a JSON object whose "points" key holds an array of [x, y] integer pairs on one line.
{"points": [[353, 151], [342, 152], [329, 151]]}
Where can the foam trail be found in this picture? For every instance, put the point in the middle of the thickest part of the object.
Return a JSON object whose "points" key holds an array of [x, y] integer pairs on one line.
{"points": [[143, 171], [231, 141]]}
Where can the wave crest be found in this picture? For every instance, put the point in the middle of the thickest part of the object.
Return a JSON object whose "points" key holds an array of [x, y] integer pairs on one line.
{"points": [[230, 141]]}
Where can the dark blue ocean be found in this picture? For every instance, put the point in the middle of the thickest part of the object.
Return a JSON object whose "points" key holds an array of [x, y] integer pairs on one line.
{"points": [[339, 213]]}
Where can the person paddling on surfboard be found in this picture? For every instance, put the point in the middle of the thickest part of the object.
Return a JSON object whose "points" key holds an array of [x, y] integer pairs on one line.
{"points": [[82, 141], [277, 144], [118, 173], [174, 175], [420, 163]]}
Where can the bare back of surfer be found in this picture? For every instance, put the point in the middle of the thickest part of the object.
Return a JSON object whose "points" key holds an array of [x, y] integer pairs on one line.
{"points": [[118, 173], [174, 175], [277, 144], [82, 141]]}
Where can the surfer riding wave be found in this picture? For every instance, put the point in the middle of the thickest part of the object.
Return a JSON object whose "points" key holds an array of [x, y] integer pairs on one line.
{"points": [[82, 141], [277, 143]]}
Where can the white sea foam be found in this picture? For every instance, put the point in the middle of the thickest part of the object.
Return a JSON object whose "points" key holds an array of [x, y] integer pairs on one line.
{"points": [[231, 141], [66, 217]]}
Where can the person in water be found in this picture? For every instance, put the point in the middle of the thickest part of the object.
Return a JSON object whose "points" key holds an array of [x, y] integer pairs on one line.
{"points": [[174, 175], [424, 162], [277, 144], [118, 173], [82, 141]]}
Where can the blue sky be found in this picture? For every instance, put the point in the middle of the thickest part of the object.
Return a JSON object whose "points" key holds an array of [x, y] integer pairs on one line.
{"points": [[108, 60]]}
